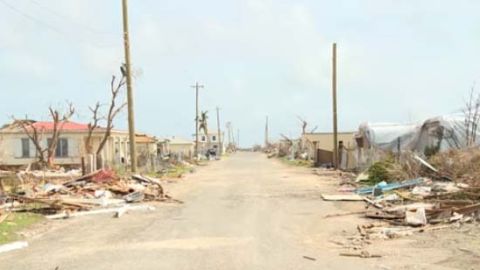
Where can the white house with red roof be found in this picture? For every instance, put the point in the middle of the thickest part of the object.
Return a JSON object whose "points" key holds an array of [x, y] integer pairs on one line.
{"points": [[16, 149]]}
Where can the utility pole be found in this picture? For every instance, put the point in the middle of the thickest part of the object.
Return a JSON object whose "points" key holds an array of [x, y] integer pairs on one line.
{"points": [[334, 93], [196, 86], [238, 138], [266, 132], [220, 144], [232, 135], [131, 116]]}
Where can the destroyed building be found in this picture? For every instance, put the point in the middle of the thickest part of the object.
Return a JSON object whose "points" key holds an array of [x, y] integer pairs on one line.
{"points": [[432, 135]]}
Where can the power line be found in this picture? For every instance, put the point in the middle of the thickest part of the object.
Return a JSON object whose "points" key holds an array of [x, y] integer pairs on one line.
{"points": [[47, 25], [31, 18], [60, 15]]}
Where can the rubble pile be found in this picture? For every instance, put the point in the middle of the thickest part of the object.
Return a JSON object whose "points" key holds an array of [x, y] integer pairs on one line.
{"points": [[448, 195], [459, 165], [99, 190]]}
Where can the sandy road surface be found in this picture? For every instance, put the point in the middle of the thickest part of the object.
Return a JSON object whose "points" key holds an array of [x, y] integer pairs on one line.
{"points": [[244, 212]]}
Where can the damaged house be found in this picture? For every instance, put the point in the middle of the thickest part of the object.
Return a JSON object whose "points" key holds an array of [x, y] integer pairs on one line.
{"points": [[319, 147], [17, 149], [430, 136]]}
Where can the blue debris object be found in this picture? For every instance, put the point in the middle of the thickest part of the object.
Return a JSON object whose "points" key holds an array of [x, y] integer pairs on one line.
{"points": [[383, 186]]}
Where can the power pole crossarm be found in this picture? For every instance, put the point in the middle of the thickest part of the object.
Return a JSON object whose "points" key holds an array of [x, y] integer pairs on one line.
{"points": [[131, 116]]}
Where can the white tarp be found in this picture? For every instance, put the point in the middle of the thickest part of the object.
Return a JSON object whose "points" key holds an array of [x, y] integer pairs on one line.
{"points": [[385, 135], [445, 132]]}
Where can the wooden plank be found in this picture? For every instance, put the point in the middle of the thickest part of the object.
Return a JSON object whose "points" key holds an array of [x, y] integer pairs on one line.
{"points": [[342, 197]]}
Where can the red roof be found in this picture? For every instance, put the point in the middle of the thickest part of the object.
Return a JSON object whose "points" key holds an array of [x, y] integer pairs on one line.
{"points": [[67, 126]]}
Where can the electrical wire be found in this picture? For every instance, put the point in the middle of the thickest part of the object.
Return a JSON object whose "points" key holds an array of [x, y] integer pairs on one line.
{"points": [[65, 17], [50, 26]]}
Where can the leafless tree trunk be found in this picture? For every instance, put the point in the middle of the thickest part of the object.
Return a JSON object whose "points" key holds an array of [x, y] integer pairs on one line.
{"points": [[113, 110], [35, 135], [91, 127], [304, 124], [471, 112]]}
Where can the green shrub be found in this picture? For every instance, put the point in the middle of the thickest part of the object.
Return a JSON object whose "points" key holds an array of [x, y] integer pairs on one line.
{"points": [[378, 172]]}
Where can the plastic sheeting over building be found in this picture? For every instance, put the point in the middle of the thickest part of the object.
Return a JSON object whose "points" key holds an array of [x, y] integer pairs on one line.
{"points": [[386, 136], [443, 133], [439, 133]]}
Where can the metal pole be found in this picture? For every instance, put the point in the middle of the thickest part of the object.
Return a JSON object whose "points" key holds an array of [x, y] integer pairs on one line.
{"points": [[131, 117], [220, 145], [334, 90]]}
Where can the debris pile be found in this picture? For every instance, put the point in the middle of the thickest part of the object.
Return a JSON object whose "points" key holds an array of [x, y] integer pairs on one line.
{"points": [[444, 192], [89, 193], [414, 203]]}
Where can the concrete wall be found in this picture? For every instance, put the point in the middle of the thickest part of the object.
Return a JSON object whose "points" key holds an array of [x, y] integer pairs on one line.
{"points": [[185, 150], [11, 148]]}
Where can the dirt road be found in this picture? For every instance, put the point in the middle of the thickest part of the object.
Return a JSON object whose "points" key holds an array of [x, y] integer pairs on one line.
{"points": [[244, 212]]}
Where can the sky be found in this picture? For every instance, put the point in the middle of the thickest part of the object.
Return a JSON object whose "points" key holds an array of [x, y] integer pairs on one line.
{"points": [[398, 61]]}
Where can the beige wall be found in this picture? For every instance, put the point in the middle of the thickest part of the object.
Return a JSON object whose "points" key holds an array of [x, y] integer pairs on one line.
{"points": [[181, 149], [11, 148], [325, 141]]}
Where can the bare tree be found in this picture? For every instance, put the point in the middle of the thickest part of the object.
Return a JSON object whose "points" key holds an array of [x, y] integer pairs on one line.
{"points": [[94, 124], [113, 110], [35, 134], [471, 113], [304, 124]]}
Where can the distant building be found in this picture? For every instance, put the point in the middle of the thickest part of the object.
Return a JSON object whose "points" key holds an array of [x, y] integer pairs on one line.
{"points": [[215, 142], [147, 149], [179, 147], [320, 148]]}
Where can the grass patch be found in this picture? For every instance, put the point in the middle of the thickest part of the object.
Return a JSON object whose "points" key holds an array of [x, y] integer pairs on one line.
{"points": [[173, 171], [297, 162], [15, 223], [178, 171]]}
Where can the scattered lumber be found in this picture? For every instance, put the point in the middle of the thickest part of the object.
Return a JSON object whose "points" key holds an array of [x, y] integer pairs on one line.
{"points": [[362, 254], [342, 197], [88, 194]]}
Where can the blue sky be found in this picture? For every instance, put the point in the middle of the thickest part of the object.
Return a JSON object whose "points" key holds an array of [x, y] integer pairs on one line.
{"points": [[398, 61]]}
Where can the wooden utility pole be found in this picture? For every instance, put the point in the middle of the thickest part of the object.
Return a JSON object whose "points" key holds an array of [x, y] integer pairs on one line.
{"points": [[238, 138], [196, 86], [220, 144], [266, 132], [334, 93], [131, 116], [233, 136]]}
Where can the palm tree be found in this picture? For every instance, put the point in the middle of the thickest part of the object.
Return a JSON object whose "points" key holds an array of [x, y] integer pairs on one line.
{"points": [[204, 126]]}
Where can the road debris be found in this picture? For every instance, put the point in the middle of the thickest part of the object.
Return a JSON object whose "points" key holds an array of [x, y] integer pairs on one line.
{"points": [[363, 254], [93, 193], [13, 246]]}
